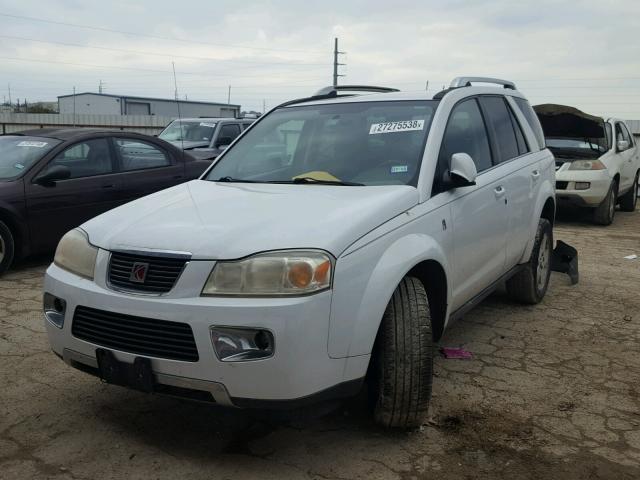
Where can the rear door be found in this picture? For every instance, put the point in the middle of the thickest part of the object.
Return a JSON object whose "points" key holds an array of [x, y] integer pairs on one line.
{"points": [[520, 172], [94, 188], [629, 165], [146, 167], [479, 212]]}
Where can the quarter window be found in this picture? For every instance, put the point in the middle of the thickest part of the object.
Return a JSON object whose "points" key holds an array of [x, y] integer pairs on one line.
{"points": [[532, 119], [465, 133], [500, 122], [228, 133], [627, 136], [86, 159], [139, 155]]}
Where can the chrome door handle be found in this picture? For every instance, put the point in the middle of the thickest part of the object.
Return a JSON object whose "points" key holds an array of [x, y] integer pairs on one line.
{"points": [[499, 191]]}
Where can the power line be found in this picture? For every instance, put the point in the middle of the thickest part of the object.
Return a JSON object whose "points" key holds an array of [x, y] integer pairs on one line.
{"points": [[139, 52], [159, 37]]}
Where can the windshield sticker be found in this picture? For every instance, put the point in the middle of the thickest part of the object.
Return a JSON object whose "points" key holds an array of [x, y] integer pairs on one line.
{"points": [[19, 166], [390, 127], [399, 169], [203, 124], [27, 143]]}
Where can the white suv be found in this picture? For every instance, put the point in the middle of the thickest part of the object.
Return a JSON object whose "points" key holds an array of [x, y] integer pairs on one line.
{"points": [[334, 241], [597, 160]]}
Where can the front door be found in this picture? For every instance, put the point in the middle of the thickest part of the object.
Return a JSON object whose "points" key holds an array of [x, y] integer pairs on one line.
{"points": [[92, 189], [479, 212]]}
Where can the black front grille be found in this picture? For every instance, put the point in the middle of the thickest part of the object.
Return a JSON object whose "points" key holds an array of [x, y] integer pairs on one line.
{"points": [[161, 272], [144, 336], [560, 185]]}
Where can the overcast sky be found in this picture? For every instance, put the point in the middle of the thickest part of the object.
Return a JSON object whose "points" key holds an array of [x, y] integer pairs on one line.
{"points": [[581, 53]]}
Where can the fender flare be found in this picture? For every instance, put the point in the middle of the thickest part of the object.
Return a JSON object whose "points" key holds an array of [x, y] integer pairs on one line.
{"points": [[394, 264], [547, 191]]}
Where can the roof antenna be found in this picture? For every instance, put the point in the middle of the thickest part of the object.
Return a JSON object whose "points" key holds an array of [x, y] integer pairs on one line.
{"points": [[175, 83]]}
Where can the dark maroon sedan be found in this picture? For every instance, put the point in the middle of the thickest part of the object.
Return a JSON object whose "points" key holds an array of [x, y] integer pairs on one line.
{"points": [[52, 180]]}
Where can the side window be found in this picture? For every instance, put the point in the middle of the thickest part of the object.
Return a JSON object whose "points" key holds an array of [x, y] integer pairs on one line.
{"points": [[139, 155], [245, 126], [229, 133], [465, 133], [500, 123], [86, 159], [522, 143], [532, 119]]}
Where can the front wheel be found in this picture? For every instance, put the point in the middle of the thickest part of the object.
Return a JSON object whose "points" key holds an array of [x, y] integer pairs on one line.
{"points": [[530, 284], [7, 248], [629, 200], [604, 213], [402, 370]]}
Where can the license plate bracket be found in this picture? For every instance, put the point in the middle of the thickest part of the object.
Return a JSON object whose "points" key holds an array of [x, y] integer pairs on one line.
{"points": [[137, 375]]}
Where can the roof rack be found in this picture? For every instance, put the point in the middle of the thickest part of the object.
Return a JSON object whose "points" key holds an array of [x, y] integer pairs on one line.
{"points": [[332, 92], [466, 82]]}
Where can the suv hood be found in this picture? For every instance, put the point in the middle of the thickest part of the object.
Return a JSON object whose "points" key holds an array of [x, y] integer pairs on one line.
{"points": [[232, 220], [561, 121]]}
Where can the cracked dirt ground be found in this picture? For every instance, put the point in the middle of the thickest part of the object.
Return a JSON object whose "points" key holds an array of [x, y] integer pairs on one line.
{"points": [[553, 391]]}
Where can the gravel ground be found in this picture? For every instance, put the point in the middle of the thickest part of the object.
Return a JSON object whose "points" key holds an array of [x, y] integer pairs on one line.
{"points": [[553, 391]]}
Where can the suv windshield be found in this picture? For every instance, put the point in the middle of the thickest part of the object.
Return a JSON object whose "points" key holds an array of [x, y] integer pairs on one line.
{"points": [[188, 131], [18, 153], [582, 147], [368, 143]]}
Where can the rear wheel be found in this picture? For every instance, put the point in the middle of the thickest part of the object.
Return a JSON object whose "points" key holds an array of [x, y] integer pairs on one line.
{"points": [[604, 213], [530, 284], [629, 200], [7, 248], [402, 370]]}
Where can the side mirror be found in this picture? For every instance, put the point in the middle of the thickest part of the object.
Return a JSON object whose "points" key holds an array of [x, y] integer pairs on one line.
{"points": [[223, 142], [623, 145], [53, 174], [462, 172]]}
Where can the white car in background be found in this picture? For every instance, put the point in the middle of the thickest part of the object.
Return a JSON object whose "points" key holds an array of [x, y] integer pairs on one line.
{"points": [[597, 160]]}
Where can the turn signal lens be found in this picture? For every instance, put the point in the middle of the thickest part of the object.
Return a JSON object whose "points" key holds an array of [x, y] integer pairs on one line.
{"points": [[287, 272]]}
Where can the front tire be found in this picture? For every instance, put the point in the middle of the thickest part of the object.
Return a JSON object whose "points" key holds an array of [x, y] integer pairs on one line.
{"points": [[604, 213], [7, 248], [402, 372], [530, 284], [629, 200]]}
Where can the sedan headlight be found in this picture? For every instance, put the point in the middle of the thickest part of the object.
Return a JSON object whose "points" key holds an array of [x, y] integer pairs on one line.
{"points": [[587, 165], [286, 272], [76, 254]]}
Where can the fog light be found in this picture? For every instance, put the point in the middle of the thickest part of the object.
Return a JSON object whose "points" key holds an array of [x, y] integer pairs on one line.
{"points": [[583, 185], [233, 344], [54, 309]]}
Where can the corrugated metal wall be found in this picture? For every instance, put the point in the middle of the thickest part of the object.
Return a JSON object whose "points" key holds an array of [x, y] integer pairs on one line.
{"points": [[149, 124]]}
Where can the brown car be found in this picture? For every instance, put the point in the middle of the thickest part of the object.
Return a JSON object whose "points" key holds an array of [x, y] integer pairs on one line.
{"points": [[52, 180]]}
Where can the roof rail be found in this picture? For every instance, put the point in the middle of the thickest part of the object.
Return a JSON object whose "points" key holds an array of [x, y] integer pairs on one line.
{"points": [[466, 82], [333, 90]]}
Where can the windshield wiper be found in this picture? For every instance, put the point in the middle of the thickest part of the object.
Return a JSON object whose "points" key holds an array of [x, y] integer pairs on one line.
{"points": [[311, 180], [229, 179]]}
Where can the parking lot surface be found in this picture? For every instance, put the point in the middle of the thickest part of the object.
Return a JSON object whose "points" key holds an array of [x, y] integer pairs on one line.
{"points": [[552, 391]]}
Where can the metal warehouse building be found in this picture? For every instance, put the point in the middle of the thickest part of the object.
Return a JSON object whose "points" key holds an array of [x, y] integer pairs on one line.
{"points": [[106, 104]]}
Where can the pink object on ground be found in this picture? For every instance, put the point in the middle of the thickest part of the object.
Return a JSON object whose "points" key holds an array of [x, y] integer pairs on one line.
{"points": [[455, 353]]}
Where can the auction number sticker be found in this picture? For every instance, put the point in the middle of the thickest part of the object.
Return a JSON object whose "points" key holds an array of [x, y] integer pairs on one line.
{"points": [[203, 124], [390, 127], [26, 143]]}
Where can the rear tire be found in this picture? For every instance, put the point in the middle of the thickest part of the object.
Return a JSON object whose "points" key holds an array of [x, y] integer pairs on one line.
{"points": [[530, 284], [7, 248], [604, 213], [629, 200], [402, 371]]}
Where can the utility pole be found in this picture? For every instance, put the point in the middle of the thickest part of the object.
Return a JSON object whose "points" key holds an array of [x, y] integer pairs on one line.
{"points": [[74, 106], [9, 86], [100, 87], [336, 52], [264, 106], [229, 96], [427, 86]]}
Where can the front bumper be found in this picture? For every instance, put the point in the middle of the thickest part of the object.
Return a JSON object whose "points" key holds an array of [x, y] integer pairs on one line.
{"points": [[299, 368], [593, 196]]}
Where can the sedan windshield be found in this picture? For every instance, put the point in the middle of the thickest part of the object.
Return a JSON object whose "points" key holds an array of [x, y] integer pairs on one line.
{"points": [[18, 153], [359, 143], [188, 131]]}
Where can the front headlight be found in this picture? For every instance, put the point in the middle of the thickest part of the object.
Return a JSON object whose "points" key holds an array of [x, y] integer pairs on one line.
{"points": [[587, 165], [76, 254], [286, 272]]}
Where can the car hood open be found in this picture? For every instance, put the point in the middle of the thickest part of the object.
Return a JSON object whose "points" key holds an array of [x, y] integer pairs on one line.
{"points": [[215, 220], [561, 121]]}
